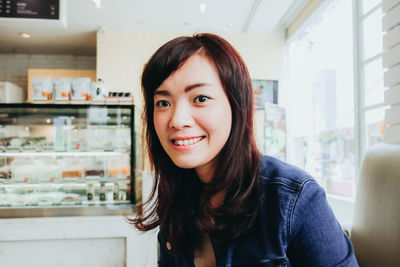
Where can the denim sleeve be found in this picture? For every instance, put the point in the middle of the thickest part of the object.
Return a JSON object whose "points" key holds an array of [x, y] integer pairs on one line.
{"points": [[315, 236], [165, 259]]}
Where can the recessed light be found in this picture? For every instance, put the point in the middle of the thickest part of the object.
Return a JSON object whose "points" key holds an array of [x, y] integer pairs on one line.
{"points": [[202, 7], [97, 3], [25, 35]]}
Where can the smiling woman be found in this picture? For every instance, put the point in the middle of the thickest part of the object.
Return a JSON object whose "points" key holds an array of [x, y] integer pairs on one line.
{"points": [[184, 104], [217, 201]]}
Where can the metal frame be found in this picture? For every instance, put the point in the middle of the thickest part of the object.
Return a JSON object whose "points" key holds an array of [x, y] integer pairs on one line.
{"points": [[359, 119]]}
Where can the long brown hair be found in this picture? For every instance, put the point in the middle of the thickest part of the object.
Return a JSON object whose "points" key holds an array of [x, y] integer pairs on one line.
{"points": [[179, 191]]}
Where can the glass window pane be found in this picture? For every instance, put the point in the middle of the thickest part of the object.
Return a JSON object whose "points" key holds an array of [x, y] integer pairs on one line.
{"points": [[320, 110], [372, 26], [369, 4], [374, 120], [373, 83]]}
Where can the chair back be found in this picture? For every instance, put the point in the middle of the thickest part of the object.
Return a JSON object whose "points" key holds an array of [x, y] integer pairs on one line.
{"points": [[375, 232]]}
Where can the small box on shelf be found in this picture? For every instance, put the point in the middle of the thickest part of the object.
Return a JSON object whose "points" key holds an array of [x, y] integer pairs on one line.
{"points": [[45, 84]]}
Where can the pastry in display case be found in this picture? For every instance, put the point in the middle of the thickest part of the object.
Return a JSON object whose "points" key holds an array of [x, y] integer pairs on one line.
{"points": [[61, 160]]}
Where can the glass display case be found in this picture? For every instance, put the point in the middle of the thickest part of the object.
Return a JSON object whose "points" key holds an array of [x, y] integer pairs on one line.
{"points": [[61, 160]]}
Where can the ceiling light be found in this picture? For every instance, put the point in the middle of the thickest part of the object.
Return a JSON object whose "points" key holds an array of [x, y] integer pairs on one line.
{"points": [[25, 35], [202, 7], [97, 3]]}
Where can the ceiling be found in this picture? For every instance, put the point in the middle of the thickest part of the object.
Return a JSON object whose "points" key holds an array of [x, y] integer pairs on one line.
{"points": [[83, 20]]}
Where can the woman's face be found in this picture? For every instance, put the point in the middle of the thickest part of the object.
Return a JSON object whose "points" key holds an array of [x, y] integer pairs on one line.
{"points": [[192, 116]]}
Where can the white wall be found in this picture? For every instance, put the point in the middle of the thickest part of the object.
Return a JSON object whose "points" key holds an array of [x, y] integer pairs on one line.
{"points": [[98, 241], [14, 67]]}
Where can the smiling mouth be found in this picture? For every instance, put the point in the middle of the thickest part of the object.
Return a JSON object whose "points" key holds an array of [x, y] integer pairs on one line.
{"points": [[187, 141]]}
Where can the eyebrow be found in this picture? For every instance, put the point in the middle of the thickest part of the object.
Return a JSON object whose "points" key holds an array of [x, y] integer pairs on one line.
{"points": [[187, 89]]}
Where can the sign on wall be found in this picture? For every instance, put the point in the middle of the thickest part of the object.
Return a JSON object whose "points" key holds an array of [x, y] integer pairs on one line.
{"points": [[265, 91], [30, 9]]}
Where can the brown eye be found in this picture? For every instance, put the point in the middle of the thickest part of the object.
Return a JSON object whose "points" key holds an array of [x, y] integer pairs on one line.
{"points": [[163, 103], [201, 99]]}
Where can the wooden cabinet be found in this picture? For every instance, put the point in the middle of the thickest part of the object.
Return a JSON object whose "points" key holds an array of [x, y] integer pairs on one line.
{"points": [[57, 73]]}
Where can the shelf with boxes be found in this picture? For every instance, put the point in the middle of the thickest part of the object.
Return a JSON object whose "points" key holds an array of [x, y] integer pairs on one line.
{"points": [[71, 86], [55, 155]]}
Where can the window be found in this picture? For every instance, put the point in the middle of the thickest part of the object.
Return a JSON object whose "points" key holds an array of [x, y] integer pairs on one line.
{"points": [[370, 73], [335, 92]]}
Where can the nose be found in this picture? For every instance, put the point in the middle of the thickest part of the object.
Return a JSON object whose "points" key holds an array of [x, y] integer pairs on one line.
{"points": [[181, 117]]}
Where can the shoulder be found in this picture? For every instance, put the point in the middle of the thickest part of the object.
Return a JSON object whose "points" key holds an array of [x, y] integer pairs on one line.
{"points": [[276, 172], [288, 189], [291, 191]]}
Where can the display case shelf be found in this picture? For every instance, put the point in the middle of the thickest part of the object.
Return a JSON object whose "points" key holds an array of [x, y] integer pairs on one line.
{"points": [[56, 211], [55, 156], [60, 154]]}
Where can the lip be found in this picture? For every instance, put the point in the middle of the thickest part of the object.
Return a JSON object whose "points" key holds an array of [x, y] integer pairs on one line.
{"points": [[186, 137], [186, 147]]}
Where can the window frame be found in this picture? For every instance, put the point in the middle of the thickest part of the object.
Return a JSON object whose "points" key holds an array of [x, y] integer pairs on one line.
{"points": [[358, 20]]}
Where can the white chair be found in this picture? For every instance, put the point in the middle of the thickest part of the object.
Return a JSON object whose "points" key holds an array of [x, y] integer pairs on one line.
{"points": [[375, 231]]}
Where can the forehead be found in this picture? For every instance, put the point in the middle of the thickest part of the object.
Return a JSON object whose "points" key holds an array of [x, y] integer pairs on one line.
{"points": [[196, 69]]}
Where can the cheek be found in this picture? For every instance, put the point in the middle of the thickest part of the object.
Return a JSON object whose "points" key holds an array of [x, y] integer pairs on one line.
{"points": [[226, 121], [218, 121], [158, 122], [226, 114]]}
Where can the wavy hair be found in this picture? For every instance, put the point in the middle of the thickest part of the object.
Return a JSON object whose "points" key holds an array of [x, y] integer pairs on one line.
{"points": [[177, 193]]}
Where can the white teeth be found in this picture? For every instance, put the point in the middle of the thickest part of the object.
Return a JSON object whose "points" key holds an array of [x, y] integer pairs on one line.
{"points": [[187, 141]]}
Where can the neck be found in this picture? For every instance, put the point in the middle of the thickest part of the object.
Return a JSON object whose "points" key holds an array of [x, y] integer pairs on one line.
{"points": [[206, 173]]}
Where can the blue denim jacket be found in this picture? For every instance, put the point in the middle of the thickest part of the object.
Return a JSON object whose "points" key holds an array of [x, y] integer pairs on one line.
{"points": [[295, 227]]}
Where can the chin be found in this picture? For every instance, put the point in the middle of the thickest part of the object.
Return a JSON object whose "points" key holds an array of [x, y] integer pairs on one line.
{"points": [[184, 165], [185, 162]]}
